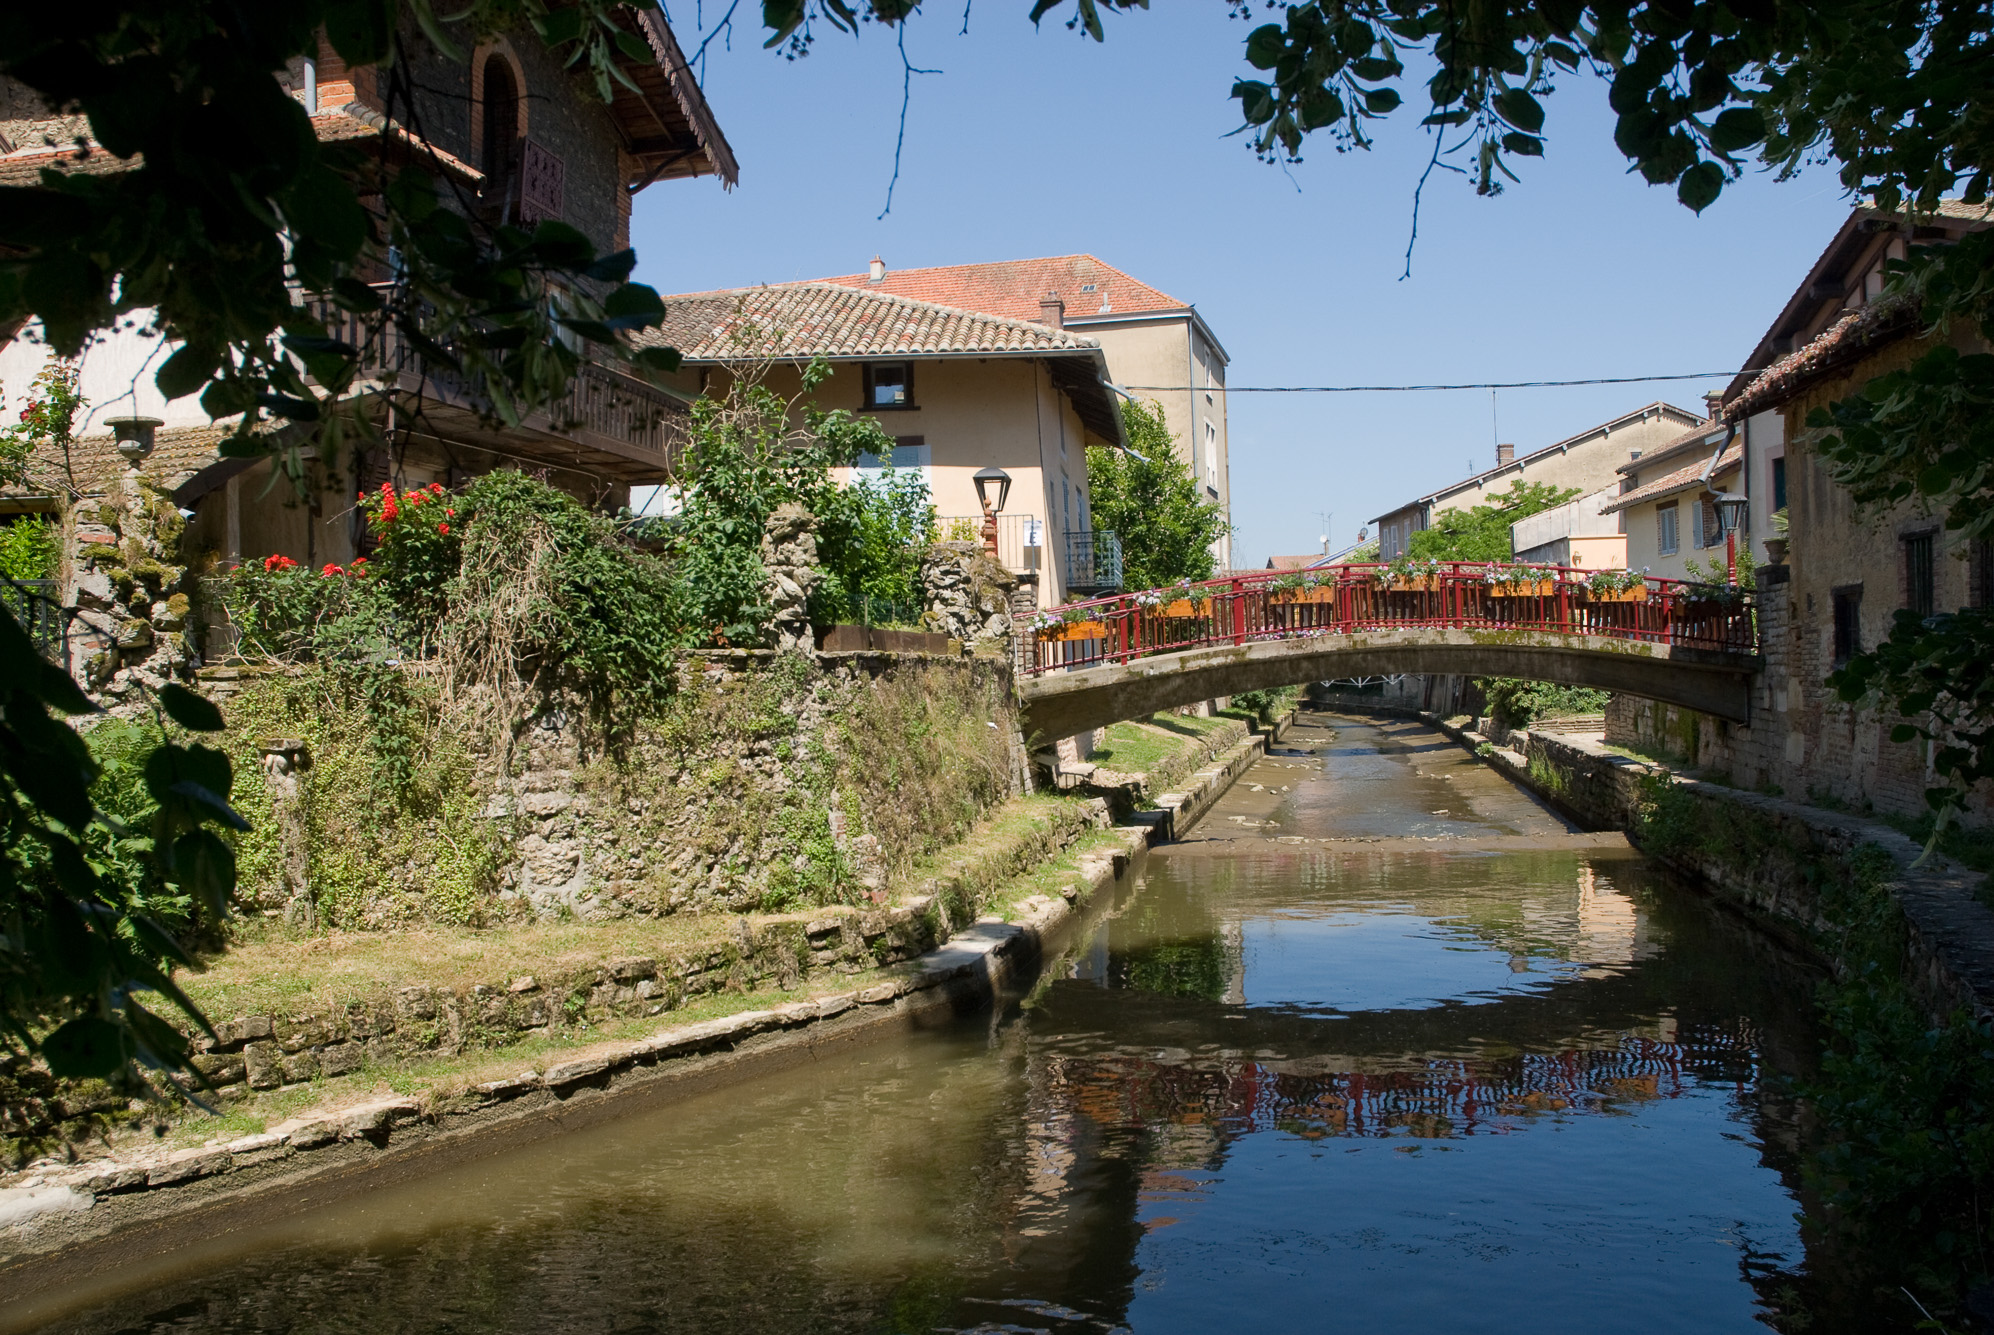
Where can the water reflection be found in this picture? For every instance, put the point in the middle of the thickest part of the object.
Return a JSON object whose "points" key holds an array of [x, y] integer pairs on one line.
{"points": [[1501, 1079]]}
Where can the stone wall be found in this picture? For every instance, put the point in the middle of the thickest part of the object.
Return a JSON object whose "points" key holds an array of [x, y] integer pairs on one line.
{"points": [[967, 596], [773, 781], [1776, 859], [1802, 740]]}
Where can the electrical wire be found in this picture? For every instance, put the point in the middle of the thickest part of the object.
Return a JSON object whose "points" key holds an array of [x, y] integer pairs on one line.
{"points": [[1420, 389]]}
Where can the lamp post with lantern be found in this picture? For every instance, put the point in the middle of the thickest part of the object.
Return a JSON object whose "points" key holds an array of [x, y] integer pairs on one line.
{"points": [[1730, 515], [985, 479]]}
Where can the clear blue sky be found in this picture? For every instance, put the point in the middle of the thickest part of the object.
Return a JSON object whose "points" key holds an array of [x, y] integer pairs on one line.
{"points": [[1037, 142]]}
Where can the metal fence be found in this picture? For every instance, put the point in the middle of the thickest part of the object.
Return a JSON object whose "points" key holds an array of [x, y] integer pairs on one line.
{"points": [[1093, 561], [1351, 598], [37, 605], [1020, 538]]}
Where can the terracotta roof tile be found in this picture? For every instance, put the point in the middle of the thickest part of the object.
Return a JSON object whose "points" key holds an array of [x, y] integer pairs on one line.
{"points": [[91, 463], [333, 124], [1849, 339], [1013, 288], [826, 320], [1682, 479]]}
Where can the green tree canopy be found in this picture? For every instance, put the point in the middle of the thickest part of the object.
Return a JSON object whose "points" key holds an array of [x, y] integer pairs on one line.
{"points": [[1147, 497], [1481, 533]]}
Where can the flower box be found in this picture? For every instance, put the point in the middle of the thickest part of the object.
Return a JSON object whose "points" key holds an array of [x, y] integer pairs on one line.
{"points": [[1284, 597], [1415, 584], [1527, 588], [1075, 630], [1186, 607], [1637, 594]]}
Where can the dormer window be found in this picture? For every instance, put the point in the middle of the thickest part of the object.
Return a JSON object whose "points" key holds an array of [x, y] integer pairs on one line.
{"points": [[889, 386]]}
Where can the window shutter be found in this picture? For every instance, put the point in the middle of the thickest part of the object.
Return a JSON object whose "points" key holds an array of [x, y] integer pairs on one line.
{"points": [[1696, 526], [541, 177]]}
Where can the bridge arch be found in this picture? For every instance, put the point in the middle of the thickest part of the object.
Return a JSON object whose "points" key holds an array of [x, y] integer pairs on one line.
{"points": [[1132, 655], [1060, 704]]}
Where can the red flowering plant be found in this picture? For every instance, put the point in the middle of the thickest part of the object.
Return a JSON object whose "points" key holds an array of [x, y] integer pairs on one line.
{"points": [[415, 552]]}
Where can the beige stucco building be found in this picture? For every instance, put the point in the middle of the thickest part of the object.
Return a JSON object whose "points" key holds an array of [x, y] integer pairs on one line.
{"points": [[1155, 346], [1850, 571], [958, 391], [1577, 534], [1586, 461]]}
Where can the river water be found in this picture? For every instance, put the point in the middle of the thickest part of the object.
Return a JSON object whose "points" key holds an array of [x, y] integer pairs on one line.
{"points": [[1381, 1045]]}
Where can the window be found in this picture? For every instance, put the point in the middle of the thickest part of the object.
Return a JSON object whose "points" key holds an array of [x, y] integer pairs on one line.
{"points": [[1709, 528], [908, 452], [889, 385], [1920, 592], [1779, 483], [1666, 538], [501, 127], [1848, 623]]}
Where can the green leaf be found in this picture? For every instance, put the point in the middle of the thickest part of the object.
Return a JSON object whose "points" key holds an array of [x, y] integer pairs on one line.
{"points": [[1256, 101], [360, 30], [560, 25], [1700, 186], [1520, 109], [633, 306], [186, 370], [204, 865], [1380, 101], [196, 713], [614, 268], [1740, 127], [1264, 46], [658, 359], [322, 206], [1523, 145], [85, 1048]]}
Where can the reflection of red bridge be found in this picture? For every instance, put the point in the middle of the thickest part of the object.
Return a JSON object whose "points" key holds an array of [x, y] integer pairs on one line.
{"points": [[1447, 1098], [1094, 662]]}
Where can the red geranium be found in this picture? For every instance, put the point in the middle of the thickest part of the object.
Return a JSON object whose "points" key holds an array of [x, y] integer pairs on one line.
{"points": [[331, 570], [278, 562], [443, 528]]}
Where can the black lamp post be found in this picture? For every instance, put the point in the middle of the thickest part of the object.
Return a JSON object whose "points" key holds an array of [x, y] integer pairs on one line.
{"points": [[1730, 514], [984, 479]]}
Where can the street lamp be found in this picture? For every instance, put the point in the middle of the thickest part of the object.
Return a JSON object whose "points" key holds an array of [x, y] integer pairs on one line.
{"points": [[984, 479], [1730, 516]]}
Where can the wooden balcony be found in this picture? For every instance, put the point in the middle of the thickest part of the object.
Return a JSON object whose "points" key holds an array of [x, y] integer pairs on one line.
{"points": [[608, 423]]}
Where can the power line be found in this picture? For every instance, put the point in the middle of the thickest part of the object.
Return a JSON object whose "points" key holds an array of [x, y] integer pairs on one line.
{"points": [[1420, 389]]}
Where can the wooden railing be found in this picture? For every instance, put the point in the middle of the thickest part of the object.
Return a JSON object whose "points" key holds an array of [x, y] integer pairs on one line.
{"points": [[1343, 600], [599, 398]]}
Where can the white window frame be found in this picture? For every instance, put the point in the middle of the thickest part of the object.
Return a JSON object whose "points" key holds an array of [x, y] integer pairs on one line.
{"points": [[1668, 529]]}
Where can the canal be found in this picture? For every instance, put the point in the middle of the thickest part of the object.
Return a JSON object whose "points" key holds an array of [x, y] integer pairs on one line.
{"points": [[1380, 1045]]}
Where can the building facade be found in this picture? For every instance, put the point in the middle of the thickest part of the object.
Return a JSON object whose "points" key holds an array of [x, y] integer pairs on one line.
{"points": [[958, 390], [1156, 348], [1586, 461], [1848, 572], [513, 137]]}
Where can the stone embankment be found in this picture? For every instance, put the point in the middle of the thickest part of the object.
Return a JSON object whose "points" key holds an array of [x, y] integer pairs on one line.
{"points": [[1769, 856], [62, 1220]]}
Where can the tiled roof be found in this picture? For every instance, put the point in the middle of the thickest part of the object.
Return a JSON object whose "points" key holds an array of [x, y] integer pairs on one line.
{"points": [[1659, 407], [1013, 288], [1675, 445], [356, 120], [92, 463], [1849, 339], [60, 150], [1682, 479], [1302, 562], [826, 320]]}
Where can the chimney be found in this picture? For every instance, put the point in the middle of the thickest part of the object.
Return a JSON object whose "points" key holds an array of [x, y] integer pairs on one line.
{"points": [[1505, 455], [878, 272], [1052, 310], [1713, 403]]}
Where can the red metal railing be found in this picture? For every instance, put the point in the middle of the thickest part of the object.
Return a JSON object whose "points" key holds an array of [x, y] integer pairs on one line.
{"points": [[1342, 600]]}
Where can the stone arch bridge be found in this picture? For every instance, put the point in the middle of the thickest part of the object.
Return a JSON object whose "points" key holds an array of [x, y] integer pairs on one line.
{"points": [[1091, 664]]}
